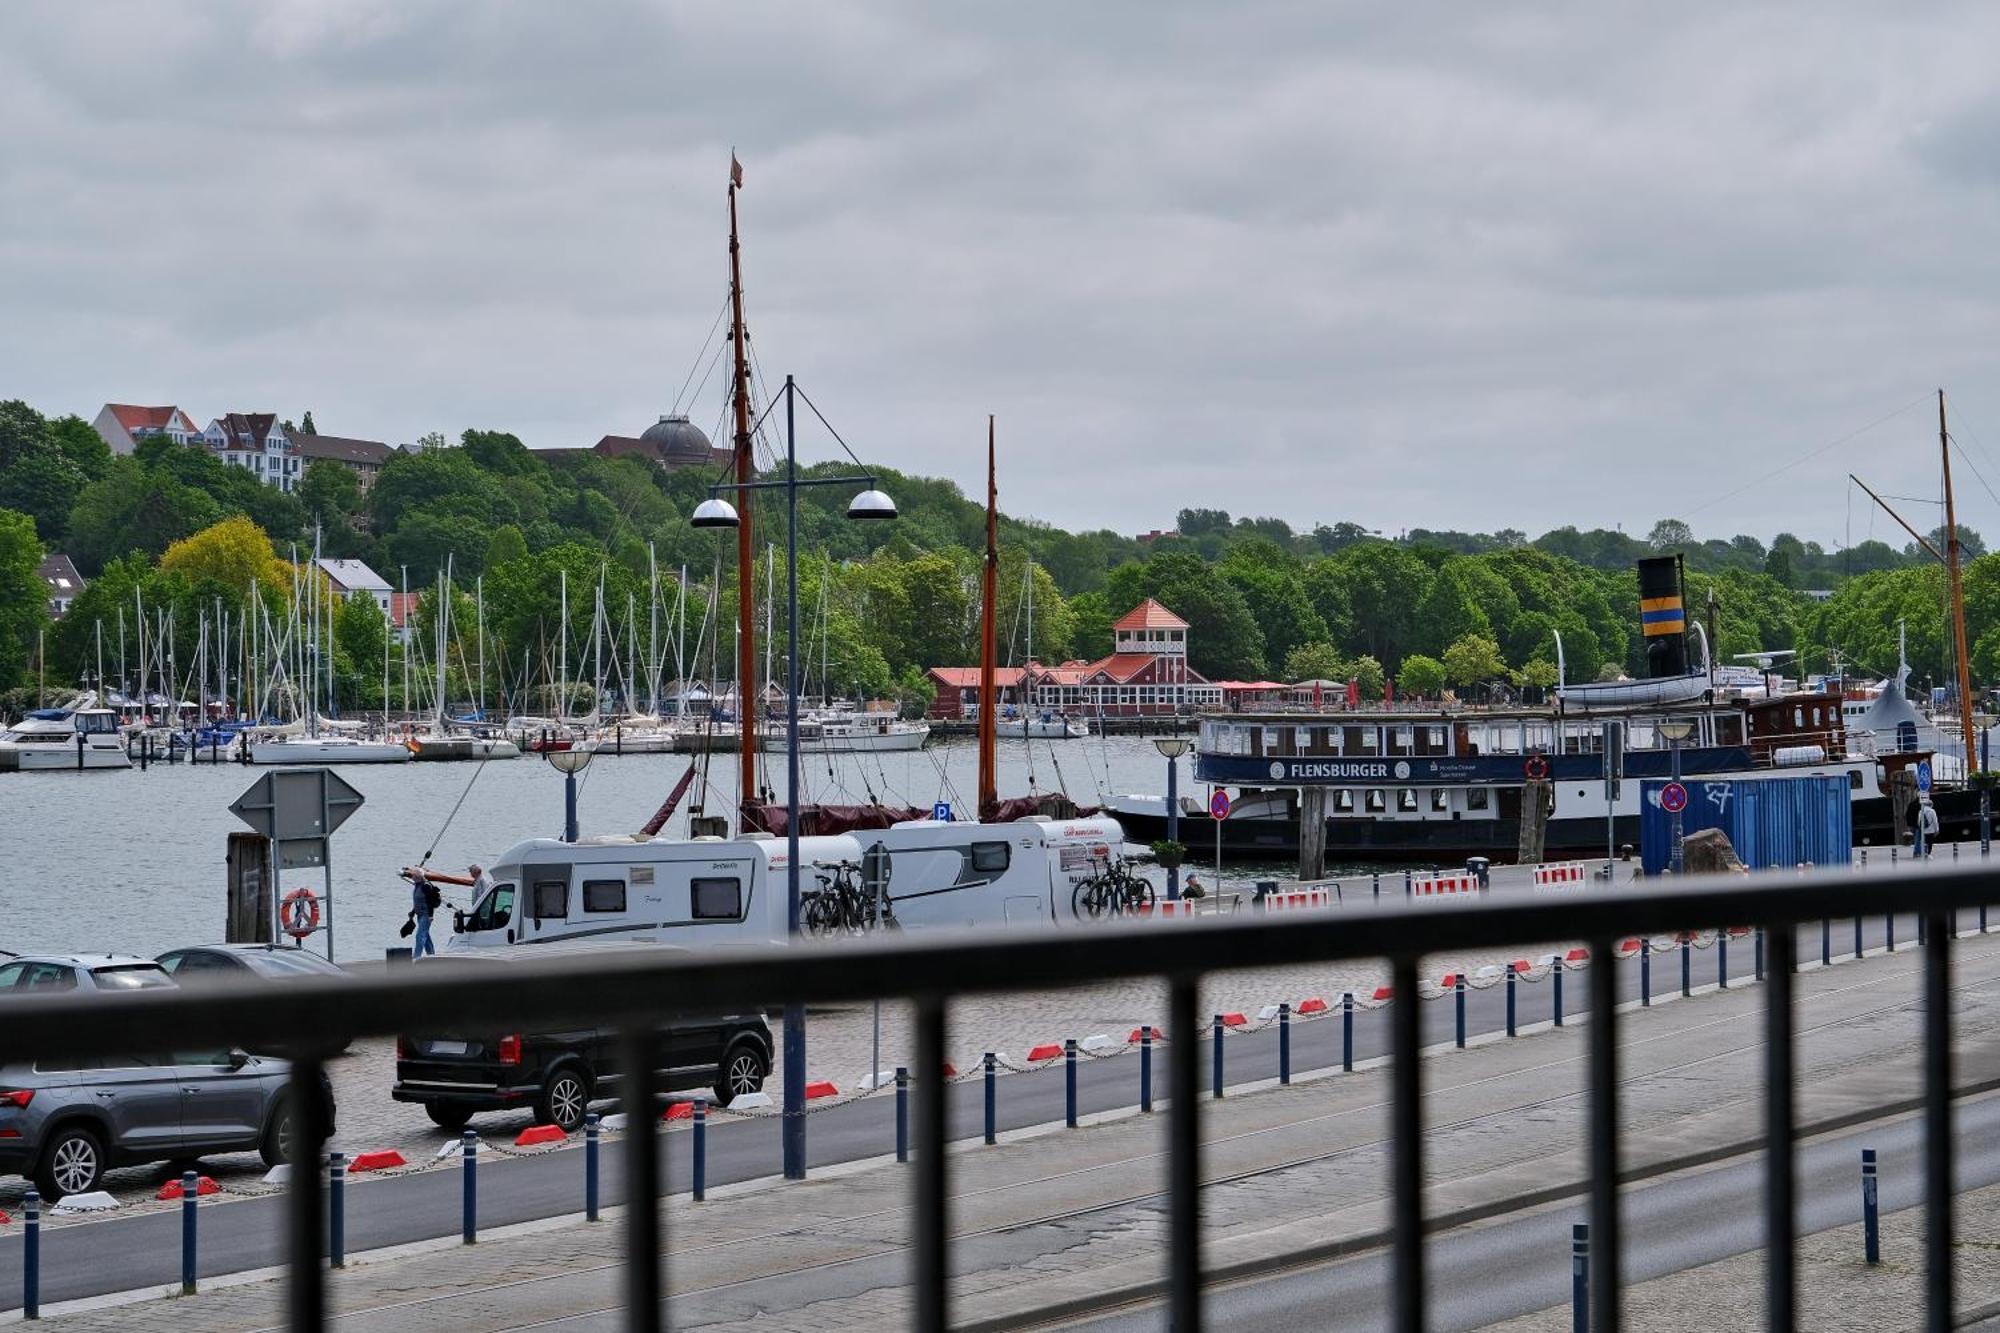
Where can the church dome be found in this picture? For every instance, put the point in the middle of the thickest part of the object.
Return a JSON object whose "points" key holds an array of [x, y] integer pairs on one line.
{"points": [[675, 439]]}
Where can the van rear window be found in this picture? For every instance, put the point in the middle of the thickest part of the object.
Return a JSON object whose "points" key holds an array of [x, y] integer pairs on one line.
{"points": [[716, 899], [604, 895]]}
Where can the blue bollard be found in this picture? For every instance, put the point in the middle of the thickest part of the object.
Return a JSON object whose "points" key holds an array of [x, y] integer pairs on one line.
{"points": [[1889, 926], [1645, 973], [31, 1255], [1920, 929], [1687, 964], [1871, 1214], [469, 1222], [700, 1149], [1556, 976], [1510, 999], [1406, 884], [190, 1191], [1458, 991], [1757, 952], [591, 1129], [1377, 877], [336, 1209], [1146, 1068], [1826, 942], [902, 1113], [1579, 1277], [1215, 1059], [1285, 1042], [1722, 957], [991, 1127], [1347, 1031], [1857, 937], [1069, 1081]]}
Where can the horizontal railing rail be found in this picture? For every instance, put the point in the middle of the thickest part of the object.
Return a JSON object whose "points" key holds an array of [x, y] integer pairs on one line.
{"points": [[635, 990]]}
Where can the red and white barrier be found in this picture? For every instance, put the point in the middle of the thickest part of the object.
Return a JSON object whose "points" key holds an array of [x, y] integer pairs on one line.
{"points": [[1170, 909], [1561, 877], [1298, 900], [1439, 888]]}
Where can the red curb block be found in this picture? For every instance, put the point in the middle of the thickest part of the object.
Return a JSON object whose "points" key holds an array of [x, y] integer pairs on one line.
{"points": [[535, 1134], [4, 1219], [1048, 1050], [678, 1111], [950, 1070], [1577, 956], [1449, 980], [1315, 1005], [1234, 1021], [1134, 1039], [1521, 965], [375, 1161], [815, 1091], [203, 1185], [1385, 992]]}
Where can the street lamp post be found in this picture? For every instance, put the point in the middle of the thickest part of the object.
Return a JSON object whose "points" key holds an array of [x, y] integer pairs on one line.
{"points": [[716, 512], [1676, 730], [1172, 748], [569, 763]]}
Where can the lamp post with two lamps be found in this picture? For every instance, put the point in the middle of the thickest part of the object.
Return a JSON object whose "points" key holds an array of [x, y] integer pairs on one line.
{"points": [[1171, 749], [1676, 730], [569, 763], [715, 512]]}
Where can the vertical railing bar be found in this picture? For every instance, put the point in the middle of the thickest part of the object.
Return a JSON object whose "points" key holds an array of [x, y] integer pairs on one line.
{"points": [[644, 1294], [1606, 1258], [1780, 1208], [1406, 1164], [1940, 1236], [304, 1220], [930, 1221], [1183, 1157]]}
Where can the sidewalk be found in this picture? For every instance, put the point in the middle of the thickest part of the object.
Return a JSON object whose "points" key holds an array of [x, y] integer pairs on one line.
{"points": [[1064, 1220]]}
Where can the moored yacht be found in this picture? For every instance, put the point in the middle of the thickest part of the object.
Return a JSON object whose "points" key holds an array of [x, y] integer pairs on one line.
{"points": [[54, 739]]}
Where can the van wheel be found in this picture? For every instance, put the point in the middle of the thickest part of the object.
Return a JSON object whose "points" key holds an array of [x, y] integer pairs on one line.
{"points": [[73, 1163], [564, 1099], [742, 1071], [448, 1115]]}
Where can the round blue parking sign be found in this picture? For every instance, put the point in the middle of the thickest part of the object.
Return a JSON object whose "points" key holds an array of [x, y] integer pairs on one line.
{"points": [[1923, 775]]}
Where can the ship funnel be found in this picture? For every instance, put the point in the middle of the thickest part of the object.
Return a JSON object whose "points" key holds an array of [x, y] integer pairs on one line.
{"points": [[1663, 616]]}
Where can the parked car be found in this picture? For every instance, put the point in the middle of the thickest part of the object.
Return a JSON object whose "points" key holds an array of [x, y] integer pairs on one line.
{"points": [[86, 971], [558, 1074], [209, 962], [65, 1121]]}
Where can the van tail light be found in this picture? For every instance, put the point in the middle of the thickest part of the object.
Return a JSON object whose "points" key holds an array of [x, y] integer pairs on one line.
{"points": [[510, 1049], [403, 1048], [16, 1096]]}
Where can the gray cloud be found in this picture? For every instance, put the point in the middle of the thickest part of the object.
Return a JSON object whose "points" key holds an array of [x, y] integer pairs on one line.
{"points": [[1438, 267]]}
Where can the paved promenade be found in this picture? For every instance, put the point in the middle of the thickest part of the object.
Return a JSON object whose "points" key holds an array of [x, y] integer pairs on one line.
{"points": [[1055, 1220]]}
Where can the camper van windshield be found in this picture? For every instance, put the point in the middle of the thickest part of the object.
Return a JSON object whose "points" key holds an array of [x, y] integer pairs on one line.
{"points": [[495, 910]]}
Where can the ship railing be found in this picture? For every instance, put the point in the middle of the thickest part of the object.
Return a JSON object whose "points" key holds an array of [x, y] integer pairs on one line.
{"points": [[628, 991]]}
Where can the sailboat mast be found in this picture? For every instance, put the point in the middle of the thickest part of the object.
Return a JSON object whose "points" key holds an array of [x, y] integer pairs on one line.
{"points": [[746, 629], [1957, 593], [989, 783], [652, 631]]}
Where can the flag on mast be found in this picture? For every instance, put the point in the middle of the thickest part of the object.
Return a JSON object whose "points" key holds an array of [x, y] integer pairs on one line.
{"points": [[735, 172]]}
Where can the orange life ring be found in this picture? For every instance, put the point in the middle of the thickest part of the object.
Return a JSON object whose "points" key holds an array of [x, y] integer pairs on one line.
{"points": [[298, 914], [1537, 768]]}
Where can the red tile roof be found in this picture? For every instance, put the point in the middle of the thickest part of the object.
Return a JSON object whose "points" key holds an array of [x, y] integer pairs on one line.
{"points": [[1121, 667], [1149, 614], [151, 418], [967, 678], [402, 605]]}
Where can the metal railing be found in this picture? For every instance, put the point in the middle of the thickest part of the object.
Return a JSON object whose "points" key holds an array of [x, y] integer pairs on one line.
{"points": [[633, 992]]}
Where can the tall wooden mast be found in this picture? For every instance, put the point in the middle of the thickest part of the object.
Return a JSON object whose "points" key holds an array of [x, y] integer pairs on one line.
{"points": [[746, 619], [989, 783], [1951, 561]]}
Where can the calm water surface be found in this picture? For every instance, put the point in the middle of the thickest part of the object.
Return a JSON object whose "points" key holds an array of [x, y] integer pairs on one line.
{"points": [[133, 862]]}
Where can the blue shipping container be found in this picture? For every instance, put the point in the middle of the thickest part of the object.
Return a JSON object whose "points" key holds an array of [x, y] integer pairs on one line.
{"points": [[1775, 821]]}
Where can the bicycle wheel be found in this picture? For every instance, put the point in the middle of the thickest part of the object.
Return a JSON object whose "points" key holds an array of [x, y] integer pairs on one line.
{"points": [[1138, 894], [1085, 899]]}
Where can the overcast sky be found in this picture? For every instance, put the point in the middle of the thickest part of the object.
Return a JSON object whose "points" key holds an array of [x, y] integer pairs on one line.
{"points": [[1422, 265]]}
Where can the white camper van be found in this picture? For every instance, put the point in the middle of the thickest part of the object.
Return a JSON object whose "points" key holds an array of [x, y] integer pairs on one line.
{"points": [[699, 893], [717, 892]]}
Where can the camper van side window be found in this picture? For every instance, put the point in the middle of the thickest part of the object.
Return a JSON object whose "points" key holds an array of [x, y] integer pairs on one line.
{"points": [[990, 858], [551, 899], [716, 899], [604, 895]]}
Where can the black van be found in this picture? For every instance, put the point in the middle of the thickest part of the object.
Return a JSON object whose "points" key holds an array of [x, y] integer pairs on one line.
{"points": [[559, 1074]]}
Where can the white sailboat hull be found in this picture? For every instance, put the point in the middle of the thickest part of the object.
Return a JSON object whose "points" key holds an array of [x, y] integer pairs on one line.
{"points": [[328, 750], [53, 758], [860, 740]]}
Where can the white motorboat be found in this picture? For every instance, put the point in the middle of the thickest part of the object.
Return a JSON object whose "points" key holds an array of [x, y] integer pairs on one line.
{"points": [[54, 739], [327, 750], [838, 733], [1044, 726], [432, 746]]}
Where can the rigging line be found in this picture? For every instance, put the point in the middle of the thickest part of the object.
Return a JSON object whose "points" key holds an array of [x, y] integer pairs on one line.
{"points": [[720, 315], [1975, 472], [1920, 399], [713, 362], [455, 809], [829, 427]]}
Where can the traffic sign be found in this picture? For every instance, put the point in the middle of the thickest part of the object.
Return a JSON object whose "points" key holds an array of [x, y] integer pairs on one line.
{"points": [[298, 914], [1218, 804], [297, 808], [1673, 798], [1923, 775], [941, 812]]}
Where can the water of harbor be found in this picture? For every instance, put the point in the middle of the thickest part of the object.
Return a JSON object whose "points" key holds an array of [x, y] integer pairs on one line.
{"points": [[133, 862]]}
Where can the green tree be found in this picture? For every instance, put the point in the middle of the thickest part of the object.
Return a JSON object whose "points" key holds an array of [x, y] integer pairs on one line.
{"points": [[43, 484], [1537, 673], [23, 597], [1224, 641], [360, 635], [1366, 594], [78, 441], [1270, 579], [507, 545], [1318, 660], [134, 508], [1421, 677], [1473, 660], [330, 492], [1368, 676], [1092, 617], [307, 424]]}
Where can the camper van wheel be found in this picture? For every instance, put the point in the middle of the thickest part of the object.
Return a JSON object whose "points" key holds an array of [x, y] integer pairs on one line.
{"points": [[742, 1071], [564, 1099], [448, 1115]]}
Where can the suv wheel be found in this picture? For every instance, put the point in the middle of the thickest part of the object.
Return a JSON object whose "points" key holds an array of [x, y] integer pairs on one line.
{"points": [[73, 1163], [277, 1144], [564, 1099], [448, 1115], [742, 1071]]}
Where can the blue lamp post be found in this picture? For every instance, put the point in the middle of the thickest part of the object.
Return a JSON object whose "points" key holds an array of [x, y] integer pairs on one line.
{"points": [[569, 763], [1676, 730], [716, 512], [1171, 748]]}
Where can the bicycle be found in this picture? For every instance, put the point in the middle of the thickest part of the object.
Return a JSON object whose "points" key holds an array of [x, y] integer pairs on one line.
{"points": [[1115, 891], [841, 905]]}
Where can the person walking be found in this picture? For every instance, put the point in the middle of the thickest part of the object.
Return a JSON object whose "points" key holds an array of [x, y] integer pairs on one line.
{"points": [[424, 902]]}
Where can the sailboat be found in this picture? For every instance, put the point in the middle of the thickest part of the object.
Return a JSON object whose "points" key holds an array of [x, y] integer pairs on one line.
{"points": [[453, 739], [317, 744], [1037, 724]]}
